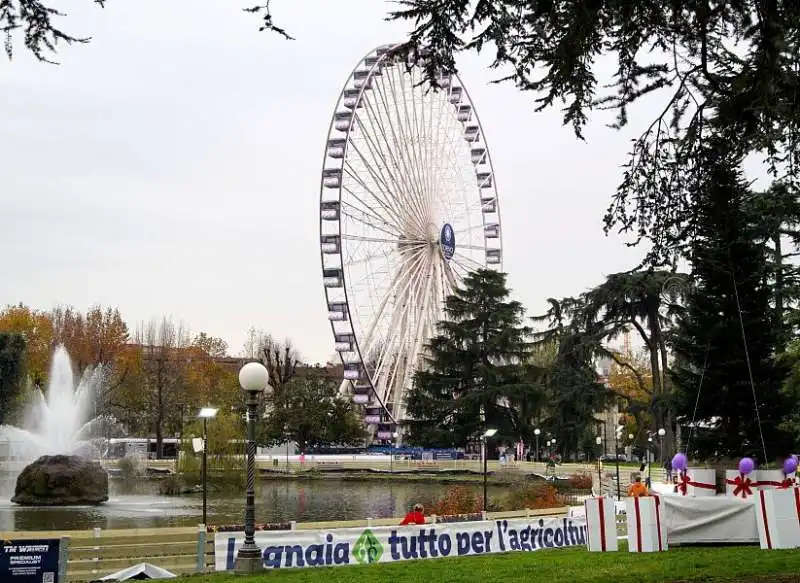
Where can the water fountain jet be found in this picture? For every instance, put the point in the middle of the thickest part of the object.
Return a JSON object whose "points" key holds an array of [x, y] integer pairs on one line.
{"points": [[55, 440]]}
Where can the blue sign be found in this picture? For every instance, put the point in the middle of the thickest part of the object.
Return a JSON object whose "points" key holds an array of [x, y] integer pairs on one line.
{"points": [[33, 561], [447, 240]]}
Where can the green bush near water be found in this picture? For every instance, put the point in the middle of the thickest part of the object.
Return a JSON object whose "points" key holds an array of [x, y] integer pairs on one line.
{"points": [[226, 460], [719, 564]]}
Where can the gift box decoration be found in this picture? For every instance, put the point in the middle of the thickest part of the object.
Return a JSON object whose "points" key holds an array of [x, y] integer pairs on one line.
{"points": [[601, 524], [647, 530], [778, 518], [789, 472], [768, 479], [738, 484], [697, 482]]}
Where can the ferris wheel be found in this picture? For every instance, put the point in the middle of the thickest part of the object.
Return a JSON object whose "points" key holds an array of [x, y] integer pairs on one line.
{"points": [[408, 207]]}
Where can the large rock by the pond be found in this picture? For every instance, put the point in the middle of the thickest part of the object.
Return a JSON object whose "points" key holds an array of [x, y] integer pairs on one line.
{"points": [[61, 480]]}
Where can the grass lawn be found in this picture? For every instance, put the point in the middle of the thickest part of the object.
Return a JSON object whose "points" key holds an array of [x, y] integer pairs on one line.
{"points": [[728, 564]]}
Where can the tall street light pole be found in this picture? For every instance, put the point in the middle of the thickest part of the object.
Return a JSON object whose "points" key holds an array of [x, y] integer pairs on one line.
{"points": [[254, 379], [486, 435], [537, 432], [616, 458], [661, 433], [205, 414], [599, 441], [391, 453]]}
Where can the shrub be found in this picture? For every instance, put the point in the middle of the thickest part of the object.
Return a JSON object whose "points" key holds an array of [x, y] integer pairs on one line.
{"points": [[170, 486], [457, 500], [535, 497], [580, 481], [130, 468]]}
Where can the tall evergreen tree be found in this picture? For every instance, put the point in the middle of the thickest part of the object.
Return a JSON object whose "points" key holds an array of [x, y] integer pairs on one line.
{"points": [[476, 371], [776, 213], [573, 388], [717, 353]]}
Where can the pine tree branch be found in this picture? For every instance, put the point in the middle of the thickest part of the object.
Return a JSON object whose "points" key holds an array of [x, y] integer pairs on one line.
{"points": [[36, 20], [267, 24]]}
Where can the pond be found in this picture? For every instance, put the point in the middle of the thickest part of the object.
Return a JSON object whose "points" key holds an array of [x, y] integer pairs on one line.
{"points": [[141, 506]]}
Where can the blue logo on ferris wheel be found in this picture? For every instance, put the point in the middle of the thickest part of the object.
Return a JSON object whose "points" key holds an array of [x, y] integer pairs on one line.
{"points": [[447, 240]]}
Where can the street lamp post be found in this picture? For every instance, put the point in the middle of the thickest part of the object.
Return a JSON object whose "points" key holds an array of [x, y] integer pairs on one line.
{"points": [[391, 453], [205, 414], [661, 433], [649, 461], [599, 441], [254, 378], [486, 435], [616, 458], [537, 432]]}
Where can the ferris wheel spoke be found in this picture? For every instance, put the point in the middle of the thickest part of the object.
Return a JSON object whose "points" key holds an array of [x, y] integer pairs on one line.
{"points": [[352, 261], [399, 287], [408, 139], [374, 119], [422, 320], [378, 162], [458, 270], [395, 169], [450, 134], [468, 229], [394, 241], [358, 180], [465, 259], [414, 141], [388, 344], [396, 130], [368, 219], [398, 335], [376, 172]]}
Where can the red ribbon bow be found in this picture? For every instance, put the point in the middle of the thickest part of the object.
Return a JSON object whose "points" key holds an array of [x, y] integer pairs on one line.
{"points": [[683, 483], [787, 483], [742, 484]]}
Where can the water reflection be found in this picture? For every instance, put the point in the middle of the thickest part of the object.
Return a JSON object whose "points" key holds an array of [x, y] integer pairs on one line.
{"points": [[142, 507]]}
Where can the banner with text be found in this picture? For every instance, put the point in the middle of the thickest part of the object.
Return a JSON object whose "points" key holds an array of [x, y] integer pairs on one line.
{"points": [[386, 544], [33, 561]]}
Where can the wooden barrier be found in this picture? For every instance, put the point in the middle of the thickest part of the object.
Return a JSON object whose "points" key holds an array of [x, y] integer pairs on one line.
{"points": [[96, 553], [182, 550]]}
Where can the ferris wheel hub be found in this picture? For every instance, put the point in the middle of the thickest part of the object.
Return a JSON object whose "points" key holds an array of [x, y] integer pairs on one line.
{"points": [[447, 241]]}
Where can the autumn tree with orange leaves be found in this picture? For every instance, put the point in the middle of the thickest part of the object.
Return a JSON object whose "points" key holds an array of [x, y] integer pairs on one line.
{"points": [[36, 327]]}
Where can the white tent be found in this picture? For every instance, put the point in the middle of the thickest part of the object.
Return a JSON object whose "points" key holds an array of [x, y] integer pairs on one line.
{"points": [[140, 572]]}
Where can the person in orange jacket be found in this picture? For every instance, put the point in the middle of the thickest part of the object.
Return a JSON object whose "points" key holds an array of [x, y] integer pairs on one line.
{"points": [[638, 489]]}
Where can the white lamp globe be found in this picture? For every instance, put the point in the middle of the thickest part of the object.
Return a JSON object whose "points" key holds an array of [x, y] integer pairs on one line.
{"points": [[662, 432], [254, 377]]}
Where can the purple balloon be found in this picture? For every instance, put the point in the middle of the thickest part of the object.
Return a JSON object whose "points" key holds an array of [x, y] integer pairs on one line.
{"points": [[789, 466], [680, 462], [746, 465]]}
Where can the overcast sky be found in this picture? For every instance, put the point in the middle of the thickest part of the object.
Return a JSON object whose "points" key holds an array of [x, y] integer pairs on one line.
{"points": [[171, 167]]}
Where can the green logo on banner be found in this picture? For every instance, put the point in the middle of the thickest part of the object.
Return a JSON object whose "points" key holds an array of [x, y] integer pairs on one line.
{"points": [[368, 549]]}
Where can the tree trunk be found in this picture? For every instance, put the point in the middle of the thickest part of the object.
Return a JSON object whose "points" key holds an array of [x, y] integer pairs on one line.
{"points": [[670, 447], [658, 379]]}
